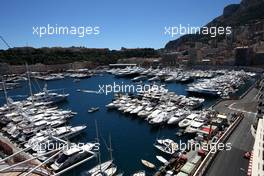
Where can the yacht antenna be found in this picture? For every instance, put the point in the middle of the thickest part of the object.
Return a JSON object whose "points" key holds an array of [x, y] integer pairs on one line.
{"points": [[29, 84]]}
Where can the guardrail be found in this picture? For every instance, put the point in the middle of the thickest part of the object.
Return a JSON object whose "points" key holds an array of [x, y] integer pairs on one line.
{"points": [[211, 155], [40, 171]]}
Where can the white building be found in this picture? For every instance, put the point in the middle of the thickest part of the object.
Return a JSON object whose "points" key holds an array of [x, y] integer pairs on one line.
{"points": [[258, 151]]}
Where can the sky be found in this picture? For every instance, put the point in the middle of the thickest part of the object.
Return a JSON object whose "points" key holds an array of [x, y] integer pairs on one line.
{"points": [[122, 23]]}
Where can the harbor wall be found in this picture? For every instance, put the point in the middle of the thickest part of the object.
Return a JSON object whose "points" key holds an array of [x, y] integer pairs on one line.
{"points": [[18, 69], [220, 67], [7, 148]]}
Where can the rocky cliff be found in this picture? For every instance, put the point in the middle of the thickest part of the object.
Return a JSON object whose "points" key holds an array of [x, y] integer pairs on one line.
{"points": [[235, 15]]}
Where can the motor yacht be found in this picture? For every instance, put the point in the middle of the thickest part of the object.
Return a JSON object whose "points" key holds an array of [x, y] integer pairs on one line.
{"points": [[160, 118], [47, 96], [136, 110], [194, 127], [42, 138], [72, 155], [187, 121], [154, 114], [145, 112], [155, 78], [166, 145], [196, 124], [177, 117]]}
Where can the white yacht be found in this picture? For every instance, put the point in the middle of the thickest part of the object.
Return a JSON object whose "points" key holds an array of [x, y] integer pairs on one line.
{"points": [[196, 124], [145, 112], [71, 155], [194, 127], [187, 121], [131, 108], [110, 105], [138, 78], [161, 159], [99, 168], [177, 116], [155, 78], [136, 110], [160, 118], [154, 114], [43, 137], [166, 145], [47, 96]]}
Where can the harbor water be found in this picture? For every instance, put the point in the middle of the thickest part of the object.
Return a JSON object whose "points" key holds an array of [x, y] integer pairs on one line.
{"points": [[132, 138]]}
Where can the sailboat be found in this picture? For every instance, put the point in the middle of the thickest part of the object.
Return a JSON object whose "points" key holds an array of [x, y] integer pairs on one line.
{"points": [[103, 169]]}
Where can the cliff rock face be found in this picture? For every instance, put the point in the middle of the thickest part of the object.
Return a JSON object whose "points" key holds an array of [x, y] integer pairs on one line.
{"points": [[248, 3], [230, 9], [235, 15]]}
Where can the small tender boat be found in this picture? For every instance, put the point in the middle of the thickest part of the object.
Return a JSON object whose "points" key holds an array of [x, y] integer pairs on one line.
{"points": [[93, 109], [148, 164], [110, 171], [76, 80], [161, 159]]}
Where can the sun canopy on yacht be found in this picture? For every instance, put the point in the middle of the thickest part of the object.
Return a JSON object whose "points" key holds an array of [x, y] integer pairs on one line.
{"points": [[221, 116]]}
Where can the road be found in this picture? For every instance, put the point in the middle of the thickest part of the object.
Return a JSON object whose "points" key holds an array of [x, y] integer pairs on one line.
{"points": [[232, 163]]}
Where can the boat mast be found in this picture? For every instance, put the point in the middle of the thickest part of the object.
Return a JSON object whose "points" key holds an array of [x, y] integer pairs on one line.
{"points": [[29, 84], [97, 136], [4, 87], [110, 147]]}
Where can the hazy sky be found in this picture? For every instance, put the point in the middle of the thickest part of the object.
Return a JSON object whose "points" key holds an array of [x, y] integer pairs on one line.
{"points": [[127, 23]]}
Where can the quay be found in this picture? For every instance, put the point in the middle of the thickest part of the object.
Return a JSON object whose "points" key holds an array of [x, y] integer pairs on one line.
{"points": [[14, 154]]}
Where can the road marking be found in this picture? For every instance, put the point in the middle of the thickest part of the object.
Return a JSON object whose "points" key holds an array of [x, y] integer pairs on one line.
{"points": [[240, 110]]}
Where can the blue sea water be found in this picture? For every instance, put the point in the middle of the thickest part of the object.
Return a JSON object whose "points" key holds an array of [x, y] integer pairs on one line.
{"points": [[132, 139]]}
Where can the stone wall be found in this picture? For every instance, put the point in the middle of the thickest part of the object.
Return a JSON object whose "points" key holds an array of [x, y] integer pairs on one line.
{"points": [[18, 69]]}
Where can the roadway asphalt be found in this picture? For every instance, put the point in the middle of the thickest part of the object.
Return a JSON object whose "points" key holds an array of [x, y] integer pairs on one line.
{"points": [[232, 163]]}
